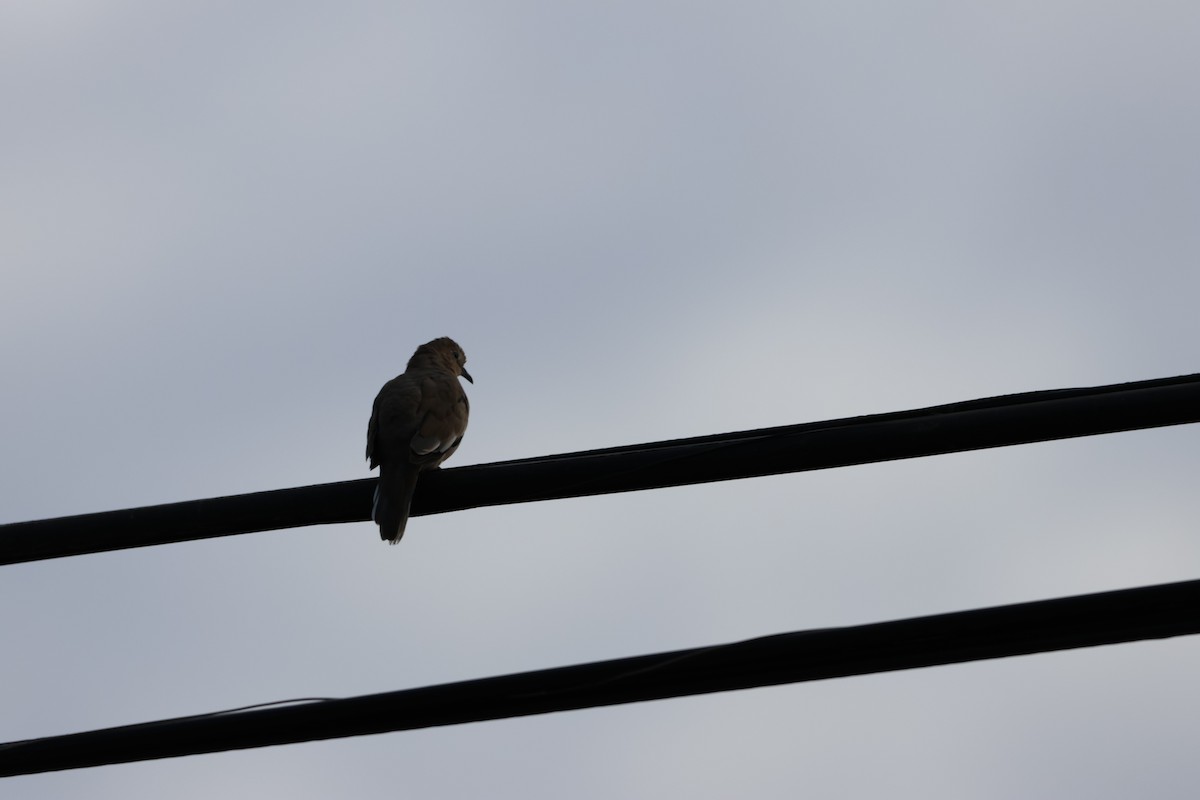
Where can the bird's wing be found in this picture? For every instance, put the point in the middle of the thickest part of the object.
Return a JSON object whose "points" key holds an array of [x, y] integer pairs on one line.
{"points": [[395, 418]]}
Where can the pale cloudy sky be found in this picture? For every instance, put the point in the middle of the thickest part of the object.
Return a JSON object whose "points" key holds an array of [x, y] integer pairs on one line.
{"points": [[224, 225]]}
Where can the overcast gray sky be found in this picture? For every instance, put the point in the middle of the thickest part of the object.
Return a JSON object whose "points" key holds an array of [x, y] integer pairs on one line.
{"points": [[224, 225]]}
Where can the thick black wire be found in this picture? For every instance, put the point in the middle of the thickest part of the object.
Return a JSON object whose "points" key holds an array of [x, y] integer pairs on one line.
{"points": [[990, 422], [1151, 612]]}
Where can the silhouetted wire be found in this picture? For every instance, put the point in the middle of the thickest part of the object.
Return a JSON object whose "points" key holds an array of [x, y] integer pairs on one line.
{"points": [[295, 701], [1151, 612], [976, 424]]}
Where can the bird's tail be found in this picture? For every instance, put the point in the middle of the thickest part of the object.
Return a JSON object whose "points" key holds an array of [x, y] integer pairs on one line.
{"points": [[393, 496]]}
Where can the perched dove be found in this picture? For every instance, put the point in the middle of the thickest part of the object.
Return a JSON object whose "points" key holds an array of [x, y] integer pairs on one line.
{"points": [[417, 422]]}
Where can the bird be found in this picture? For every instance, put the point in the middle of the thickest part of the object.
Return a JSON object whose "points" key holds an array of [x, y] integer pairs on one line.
{"points": [[417, 422]]}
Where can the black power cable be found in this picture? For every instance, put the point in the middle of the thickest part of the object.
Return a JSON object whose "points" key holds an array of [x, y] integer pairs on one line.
{"points": [[991, 422], [1151, 612]]}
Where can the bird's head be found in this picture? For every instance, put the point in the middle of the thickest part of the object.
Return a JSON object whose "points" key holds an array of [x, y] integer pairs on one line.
{"points": [[443, 353]]}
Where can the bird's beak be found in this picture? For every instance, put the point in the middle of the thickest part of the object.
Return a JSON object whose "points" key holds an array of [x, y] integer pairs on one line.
{"points": [[467, 375]]}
